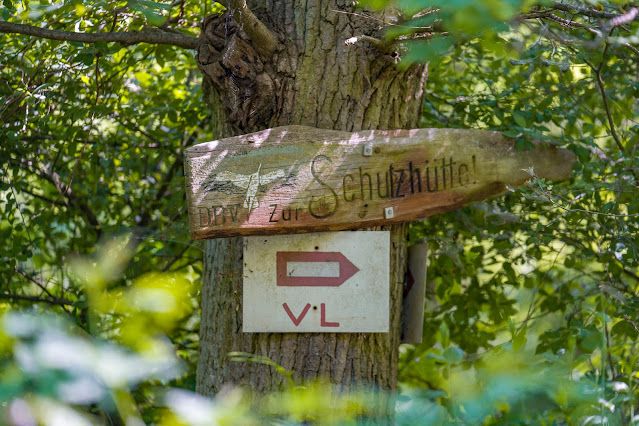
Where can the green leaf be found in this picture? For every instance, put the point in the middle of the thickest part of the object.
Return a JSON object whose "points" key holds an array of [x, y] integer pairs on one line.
{"points": [[520, 339], [521, 61], [154, 5], [522, 145], [445, 334], [150, 10], [511, 133], [453, 355], [520, 119], [591, 340], [426, 51]]}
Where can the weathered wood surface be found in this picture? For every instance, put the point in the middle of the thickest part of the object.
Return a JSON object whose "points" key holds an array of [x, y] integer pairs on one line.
{"points": [[301, 179]]}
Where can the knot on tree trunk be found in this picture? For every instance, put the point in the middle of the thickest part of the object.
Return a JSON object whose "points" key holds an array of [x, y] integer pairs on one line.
{"points": [[235, 68]]}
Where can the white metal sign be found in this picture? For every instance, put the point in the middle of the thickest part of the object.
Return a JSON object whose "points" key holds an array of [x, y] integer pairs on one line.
{"points": [[325, 282]]}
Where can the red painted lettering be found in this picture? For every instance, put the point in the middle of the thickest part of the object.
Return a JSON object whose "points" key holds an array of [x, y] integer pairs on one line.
{"points": [[298, 320], [323, 322]]}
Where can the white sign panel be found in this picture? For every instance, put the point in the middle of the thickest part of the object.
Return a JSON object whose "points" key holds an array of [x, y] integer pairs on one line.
{"points": [[329, 282]]}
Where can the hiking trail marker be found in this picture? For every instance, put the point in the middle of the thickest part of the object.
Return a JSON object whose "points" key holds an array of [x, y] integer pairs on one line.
{"points": [[303, 179], [326, 282], [293, 179]]}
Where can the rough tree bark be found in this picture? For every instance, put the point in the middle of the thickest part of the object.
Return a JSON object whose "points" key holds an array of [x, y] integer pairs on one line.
{"points": [[315, 78]]}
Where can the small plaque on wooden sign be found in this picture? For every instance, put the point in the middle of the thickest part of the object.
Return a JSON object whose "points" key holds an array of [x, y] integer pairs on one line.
{"points": [[331, 282], [302, 179]]}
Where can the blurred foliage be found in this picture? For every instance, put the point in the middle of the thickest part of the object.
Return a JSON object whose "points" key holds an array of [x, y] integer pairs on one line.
{"points": [[532, 297], [91, 142], [548, 271]]}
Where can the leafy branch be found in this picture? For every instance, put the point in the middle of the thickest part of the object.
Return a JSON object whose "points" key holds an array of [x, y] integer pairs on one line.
{"points": [[124, 38]]}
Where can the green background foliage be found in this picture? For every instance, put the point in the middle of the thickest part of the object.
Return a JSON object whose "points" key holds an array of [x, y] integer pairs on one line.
{"points": [[532, 297]]}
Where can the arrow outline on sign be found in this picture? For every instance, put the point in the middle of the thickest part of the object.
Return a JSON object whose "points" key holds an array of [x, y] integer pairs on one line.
{"points": [[346, 268]]}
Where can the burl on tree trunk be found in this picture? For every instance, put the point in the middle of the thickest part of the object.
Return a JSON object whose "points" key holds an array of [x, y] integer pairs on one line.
{"points": [[294, 66]]}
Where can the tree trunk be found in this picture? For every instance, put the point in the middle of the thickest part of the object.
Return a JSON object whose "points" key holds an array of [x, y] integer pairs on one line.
{"points": [[316, 79]]}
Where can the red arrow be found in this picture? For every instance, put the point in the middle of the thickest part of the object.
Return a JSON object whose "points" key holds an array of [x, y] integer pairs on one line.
{"points": [[346, 268]]}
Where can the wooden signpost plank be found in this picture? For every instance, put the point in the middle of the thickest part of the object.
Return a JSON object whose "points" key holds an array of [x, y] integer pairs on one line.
{"points": [[302, 179]]}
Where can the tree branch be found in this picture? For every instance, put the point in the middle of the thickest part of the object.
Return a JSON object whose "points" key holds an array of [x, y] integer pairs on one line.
{"points": [[602, 90], [43, 198], [124, 38], [33, 280], [372, 40], [177, 257], [558, 20], [264, 40], [52, 301], [629, 321], [632, 48], [75, 201], [581, 10], [626, 18]]}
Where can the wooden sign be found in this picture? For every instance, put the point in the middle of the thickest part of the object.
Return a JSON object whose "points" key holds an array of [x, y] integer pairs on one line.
{"points": [[335, 282], [302, 179]]}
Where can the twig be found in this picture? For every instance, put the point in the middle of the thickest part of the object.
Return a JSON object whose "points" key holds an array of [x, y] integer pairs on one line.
{"points": [[389, 24], [632, 48], [76, 202], [134, 126], [192, 137], [581, 10], [612, 364], [33, 280], [567, 209], [39, 284], [43, 198], [124, 38], [26, 227], [169, 20], [545, 31], [177, 257], [562, 21], [623, 19], [75, 168], [86, 140], [53, 301], [602, 90], [629, 321], [372, 40]]}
